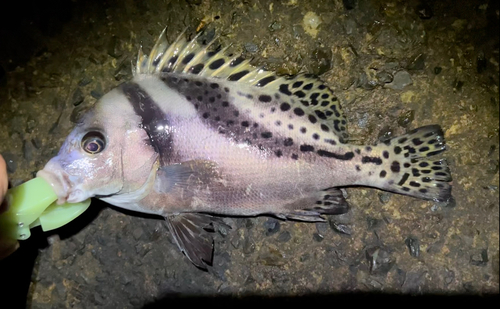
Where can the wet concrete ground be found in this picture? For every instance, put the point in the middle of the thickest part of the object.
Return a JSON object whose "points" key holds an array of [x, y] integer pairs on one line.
{"points": [[396, 65]]}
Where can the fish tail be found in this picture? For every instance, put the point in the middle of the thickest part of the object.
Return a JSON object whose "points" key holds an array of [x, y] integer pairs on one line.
{"points": [[409, 169]]}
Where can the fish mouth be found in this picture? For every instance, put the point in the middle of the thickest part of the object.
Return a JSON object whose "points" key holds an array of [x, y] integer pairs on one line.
{"points": [[60, 183]]}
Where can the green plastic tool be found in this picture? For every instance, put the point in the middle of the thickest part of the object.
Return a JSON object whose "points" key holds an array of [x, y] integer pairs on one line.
{"points": [[32, 204]]}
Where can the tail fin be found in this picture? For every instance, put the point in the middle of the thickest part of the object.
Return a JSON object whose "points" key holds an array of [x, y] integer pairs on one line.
{"points": [[409, 172]]}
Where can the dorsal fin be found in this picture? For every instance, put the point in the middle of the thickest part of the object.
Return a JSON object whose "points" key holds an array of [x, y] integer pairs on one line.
{"points": [[195, 57]]}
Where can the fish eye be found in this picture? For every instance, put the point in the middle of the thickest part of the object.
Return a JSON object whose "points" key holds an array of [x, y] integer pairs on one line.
{"points": [[93, 142]]}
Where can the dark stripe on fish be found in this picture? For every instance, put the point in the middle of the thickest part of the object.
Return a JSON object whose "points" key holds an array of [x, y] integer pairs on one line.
{"points": [[154, 121]]}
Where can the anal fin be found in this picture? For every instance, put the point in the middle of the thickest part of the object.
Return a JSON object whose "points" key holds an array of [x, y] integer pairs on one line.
{"points": [[330, 201]]}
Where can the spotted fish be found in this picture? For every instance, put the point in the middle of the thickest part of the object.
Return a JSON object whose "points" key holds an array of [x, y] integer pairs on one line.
{"points": [[199, 132]]}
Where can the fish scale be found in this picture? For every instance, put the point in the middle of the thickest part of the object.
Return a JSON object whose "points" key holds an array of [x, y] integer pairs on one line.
{"points": [[200, 131]]}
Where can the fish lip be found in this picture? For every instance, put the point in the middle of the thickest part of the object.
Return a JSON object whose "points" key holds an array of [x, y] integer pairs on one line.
{"points": [[59, 181]]}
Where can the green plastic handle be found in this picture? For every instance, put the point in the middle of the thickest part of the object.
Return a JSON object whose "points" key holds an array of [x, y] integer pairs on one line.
{"points": [[34, 203]]}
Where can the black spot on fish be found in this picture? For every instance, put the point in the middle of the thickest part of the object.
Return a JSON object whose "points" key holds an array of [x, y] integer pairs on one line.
{"points": [[237, 76], [325, 103], [206, 115], [284, 106], [331, 141], [315, 136], [407, 165], [236, 61], [265, 81], [403, 179], [325, 128], [368, 148], [312, 119], [196, 69], [172, 60], [245, 124], [249, 96], [397, 150], [344, 157], [198, 83], [188, 58], [422, 191], [216, 64], [308, 86], [383, 174], [325, 96], [290, 126], [375, 160], [297, 84], [214, 85], [320, 114], [303, 130], [278, 153], [295, 156], [278, 123], [321, 87], [402, 140], [414, 184], [225, 104], [432, 153], [336, 125], [265, 98], [304, 102], [405, 189], [284, 89], [288, 142], [424, 149], [417, 141], [306, 148], [395, 167], [385, 154], [266, 134], [426, 179], [358, 151], [298, 111], [299, 93]]}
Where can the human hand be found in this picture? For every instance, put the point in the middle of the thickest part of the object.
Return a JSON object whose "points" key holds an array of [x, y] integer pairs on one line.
{"points": [[7, 244]]}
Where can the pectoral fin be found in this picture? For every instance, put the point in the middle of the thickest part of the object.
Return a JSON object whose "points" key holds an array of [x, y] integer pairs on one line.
{"points": [[186, 175]]}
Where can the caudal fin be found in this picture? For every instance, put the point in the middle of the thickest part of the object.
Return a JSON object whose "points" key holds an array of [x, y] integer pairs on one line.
{"points": [[408, 168]]}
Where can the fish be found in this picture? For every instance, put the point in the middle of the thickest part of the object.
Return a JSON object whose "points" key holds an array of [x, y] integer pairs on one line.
{"points": [[200, 133]]}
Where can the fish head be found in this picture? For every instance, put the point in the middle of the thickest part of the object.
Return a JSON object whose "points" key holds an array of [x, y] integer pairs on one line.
{"points": [[106, 154]]}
